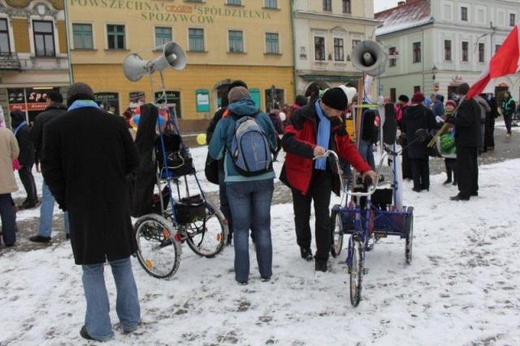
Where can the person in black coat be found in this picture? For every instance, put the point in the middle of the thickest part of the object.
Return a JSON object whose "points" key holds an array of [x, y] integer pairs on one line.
{"points": [[467, 141], [416, 117], [88, 161], [22, 131], [55, 108]]}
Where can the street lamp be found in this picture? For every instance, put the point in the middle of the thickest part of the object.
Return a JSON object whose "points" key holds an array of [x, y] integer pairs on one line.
{"points": [[434, 71]]}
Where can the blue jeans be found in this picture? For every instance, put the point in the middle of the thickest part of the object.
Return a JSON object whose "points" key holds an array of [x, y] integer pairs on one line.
{"points": [[47, 211], [366, 150], [250, 203], [97, 317], [8, 216]]}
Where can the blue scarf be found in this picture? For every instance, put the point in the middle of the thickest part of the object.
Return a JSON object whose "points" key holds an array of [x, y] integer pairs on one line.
{"points": [[323, 136], [82, 104]]}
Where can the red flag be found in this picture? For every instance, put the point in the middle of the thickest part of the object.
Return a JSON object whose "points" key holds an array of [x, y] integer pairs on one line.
{"points": [[506, 61]]}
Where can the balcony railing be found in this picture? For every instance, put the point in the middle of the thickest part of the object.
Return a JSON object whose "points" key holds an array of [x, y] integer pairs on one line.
{"points": [[9, 62]]}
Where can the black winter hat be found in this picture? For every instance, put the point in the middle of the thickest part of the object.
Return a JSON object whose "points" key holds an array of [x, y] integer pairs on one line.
{"points": [[79, 91], [335, 98]]}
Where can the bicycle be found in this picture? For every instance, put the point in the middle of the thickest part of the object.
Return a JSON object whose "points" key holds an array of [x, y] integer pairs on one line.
{"points": [[187, 218], [367, 220]]}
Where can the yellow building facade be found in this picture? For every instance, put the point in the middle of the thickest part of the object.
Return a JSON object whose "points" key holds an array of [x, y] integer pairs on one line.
{"points": [[223, 40]]}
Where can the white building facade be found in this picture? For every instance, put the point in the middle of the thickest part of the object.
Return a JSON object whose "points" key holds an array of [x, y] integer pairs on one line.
{"points": [[434, 46], [325, 33]]}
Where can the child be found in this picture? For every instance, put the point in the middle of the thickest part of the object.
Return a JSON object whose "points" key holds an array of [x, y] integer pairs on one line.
{"points": [[446, 145]]}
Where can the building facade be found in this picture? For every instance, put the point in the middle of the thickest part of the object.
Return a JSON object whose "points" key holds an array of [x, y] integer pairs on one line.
{"points": [[325, 33], [433, 46], [222, 40], [33, 54]]}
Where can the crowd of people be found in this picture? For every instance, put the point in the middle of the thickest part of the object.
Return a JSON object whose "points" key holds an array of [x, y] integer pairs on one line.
{"points": [[84, 166]]}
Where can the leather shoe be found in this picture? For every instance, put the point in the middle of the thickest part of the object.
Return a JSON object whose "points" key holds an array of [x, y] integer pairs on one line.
{"points": [[83, 332], [321, 266], [459, 198], [475, 194], [306, 253], [40, 239]]}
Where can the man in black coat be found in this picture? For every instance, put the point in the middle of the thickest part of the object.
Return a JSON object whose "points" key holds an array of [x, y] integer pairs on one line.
{"points": [[55, 108], [416, 117], [88, 159], [467, 142], [22, 131]]}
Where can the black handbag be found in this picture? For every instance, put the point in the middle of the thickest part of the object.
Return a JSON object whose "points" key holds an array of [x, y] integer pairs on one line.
{"points": [[173, 155], [211, 170], [432, 150]]}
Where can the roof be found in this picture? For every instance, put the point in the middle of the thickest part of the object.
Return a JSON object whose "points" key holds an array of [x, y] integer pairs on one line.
{"points": [[408, 15]]}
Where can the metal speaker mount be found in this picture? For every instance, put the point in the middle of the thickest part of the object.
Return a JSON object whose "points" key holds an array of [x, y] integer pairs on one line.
{"points": [[134, 67], [369, 57]]}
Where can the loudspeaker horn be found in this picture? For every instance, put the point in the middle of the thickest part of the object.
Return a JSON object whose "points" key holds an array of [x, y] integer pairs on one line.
{"points": [[134, 67], [369, 57]]}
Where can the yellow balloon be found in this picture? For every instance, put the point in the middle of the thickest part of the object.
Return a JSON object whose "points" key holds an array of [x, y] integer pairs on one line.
{"points": [[201, 138]]}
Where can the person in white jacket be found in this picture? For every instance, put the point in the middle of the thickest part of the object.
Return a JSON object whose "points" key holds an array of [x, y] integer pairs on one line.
{"points": [[9, 151]]}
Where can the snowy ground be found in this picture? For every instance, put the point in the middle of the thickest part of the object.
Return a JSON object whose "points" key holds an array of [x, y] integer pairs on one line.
{"points": [[461, 288]]}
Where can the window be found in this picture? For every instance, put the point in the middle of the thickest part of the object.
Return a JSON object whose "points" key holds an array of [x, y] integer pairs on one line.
{"points": [[163, 35], [355, 43], [82, 36], [447, 50], [43, 38], [347, 6], [481, 52], [319, 48], [236, 41], [270, 3], [512, 19], [416, 52], [234, 2], [5, 47], [327, 5], [497, 47], [272, 44], [116, 36], [392, 61], [339, 50], [196, 38], [464, 14], [465, 51]]}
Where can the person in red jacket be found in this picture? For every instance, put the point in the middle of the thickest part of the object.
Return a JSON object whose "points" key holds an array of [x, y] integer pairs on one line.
{"points": [[312, 130]]}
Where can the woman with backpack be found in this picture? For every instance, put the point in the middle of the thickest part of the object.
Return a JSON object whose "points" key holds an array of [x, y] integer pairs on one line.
{"points": [[249, 178]]}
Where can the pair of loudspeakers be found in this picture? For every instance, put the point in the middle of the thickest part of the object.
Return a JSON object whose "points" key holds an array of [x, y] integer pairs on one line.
{"points": [[369, 57], [134, 67]]}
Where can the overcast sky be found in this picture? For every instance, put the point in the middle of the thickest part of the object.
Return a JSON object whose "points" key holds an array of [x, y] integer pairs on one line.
{"points": [[380, 5]]}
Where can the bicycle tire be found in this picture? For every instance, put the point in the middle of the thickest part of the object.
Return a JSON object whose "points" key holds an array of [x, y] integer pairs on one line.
{"points": [[207, 237], [158, 252], [408, 249], [356, 271], [336, 224]]}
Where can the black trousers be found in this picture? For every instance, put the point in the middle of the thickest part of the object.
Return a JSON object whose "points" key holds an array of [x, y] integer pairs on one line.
{"points": [[406, 166], [420, 173], [27, 178], [489, 132], [467, 170], [319, 193]]}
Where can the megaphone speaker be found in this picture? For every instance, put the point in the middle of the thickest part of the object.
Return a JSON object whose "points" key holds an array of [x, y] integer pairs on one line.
{"points": [[172, 56], [369, 57]]}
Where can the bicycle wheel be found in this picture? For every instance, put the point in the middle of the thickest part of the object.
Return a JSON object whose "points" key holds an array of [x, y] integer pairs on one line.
{"points": [[158, 252], [356, 271], [409, 236], [207, 237], [337, 231]]}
